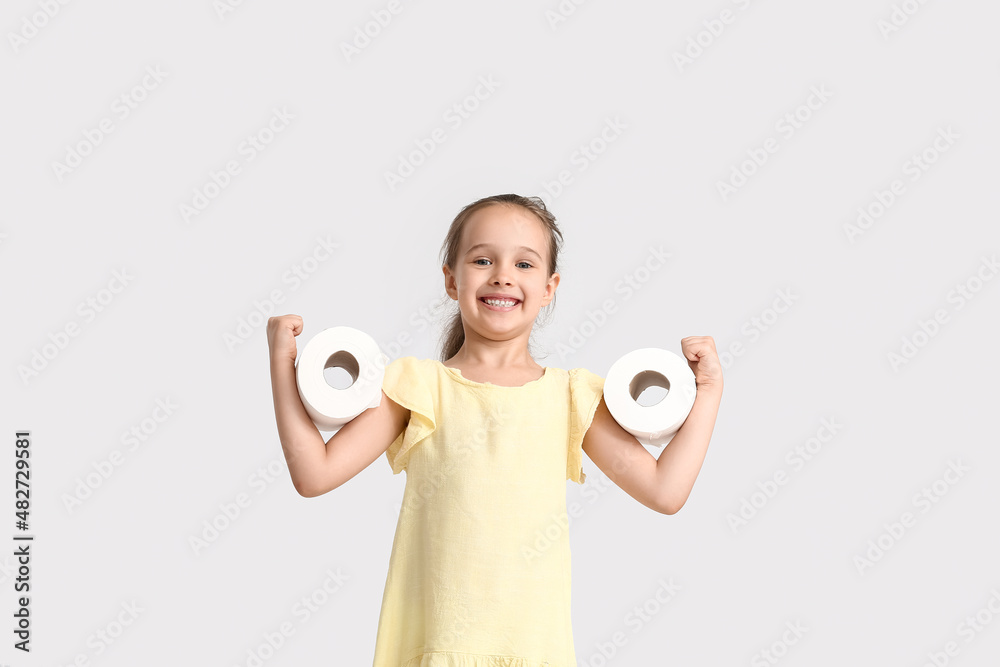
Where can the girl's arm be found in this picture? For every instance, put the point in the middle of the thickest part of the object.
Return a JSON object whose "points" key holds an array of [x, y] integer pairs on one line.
{"points": [[314, 466], [662, 484], [679, 464]]}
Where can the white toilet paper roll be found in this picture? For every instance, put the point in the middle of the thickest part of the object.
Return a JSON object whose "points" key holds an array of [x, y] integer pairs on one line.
{"points": [[358, 354], [652, 425]]}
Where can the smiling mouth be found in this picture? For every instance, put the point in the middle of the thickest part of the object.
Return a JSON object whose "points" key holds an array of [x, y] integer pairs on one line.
{"points": [[499, 304]]}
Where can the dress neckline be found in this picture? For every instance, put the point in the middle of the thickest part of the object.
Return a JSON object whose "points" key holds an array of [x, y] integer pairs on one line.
{"points": [[457, 374]]}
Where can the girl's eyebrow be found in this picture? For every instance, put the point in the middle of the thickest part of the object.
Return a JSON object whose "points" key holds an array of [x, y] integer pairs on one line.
{"points": [[487, 245]]}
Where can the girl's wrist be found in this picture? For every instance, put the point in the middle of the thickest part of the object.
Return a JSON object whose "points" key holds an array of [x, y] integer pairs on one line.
{"points": [[282, 363], [709, 389]]}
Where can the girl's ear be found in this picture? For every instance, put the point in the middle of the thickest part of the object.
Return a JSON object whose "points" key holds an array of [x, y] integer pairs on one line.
{"points": [[550, 288], [449, 282]]}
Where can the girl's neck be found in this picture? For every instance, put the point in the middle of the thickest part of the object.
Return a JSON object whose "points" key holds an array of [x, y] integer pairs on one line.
{"points": [[496, 368]]}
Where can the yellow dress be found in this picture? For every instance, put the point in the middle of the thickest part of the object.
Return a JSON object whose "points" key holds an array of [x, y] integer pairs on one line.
{"points": [[479, 574]]}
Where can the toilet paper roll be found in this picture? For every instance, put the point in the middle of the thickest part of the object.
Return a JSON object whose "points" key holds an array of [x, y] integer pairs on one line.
{"points": [[358, 354], [653, 425]]}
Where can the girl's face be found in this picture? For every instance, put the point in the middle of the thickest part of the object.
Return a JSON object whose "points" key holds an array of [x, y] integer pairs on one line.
{"points": [[502, 253]]}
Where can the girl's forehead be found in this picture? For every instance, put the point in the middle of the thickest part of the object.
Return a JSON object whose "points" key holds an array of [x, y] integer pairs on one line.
{"points": [[503, 226]]}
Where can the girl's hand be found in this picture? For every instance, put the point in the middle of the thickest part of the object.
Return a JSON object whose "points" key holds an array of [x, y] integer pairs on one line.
{"points": [[281, 333], [703, 360]]}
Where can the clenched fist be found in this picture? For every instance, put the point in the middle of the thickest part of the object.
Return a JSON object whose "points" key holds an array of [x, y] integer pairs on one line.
{"points": [[281, 333]]}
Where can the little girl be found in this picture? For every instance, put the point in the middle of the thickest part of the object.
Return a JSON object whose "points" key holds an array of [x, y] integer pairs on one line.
{"points": [[479, 574]]}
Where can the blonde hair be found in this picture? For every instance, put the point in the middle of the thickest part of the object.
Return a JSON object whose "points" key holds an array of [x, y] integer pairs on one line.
{"points": [[453, 336]]}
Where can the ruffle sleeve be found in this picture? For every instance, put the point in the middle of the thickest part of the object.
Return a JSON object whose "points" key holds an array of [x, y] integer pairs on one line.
{"points": [[585, 391], [408, 381]]}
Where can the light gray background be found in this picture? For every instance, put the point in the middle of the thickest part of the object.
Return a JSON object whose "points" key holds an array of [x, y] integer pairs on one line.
{"points": [[825, 357]]}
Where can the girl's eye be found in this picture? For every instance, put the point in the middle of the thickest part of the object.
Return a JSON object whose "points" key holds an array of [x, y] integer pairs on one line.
{"points": [[483, 259]]}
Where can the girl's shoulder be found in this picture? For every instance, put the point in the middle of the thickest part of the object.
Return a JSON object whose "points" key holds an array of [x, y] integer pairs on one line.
{"points": [[584, 375], [410, 370]]}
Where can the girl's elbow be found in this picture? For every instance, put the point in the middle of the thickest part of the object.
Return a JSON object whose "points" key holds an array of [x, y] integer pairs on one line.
{"points": [[671, 505], [304, 489], [315, 488]]}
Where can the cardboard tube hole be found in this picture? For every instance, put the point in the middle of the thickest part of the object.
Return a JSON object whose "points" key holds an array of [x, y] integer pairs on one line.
{"points": [[341, 370], [649, 388]]}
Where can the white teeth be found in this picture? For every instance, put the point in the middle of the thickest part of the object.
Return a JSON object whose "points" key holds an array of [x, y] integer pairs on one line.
{"points": [[501, 304]]}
